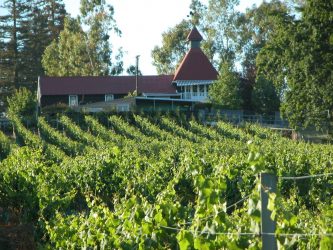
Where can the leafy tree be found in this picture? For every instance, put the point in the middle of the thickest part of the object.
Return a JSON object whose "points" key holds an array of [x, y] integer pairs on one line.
{"points": [[265, 99], [221, 30], [6, 69], [218, 22], [245, 90], [174, 43], [197, 12], [22, 103], [79, 52], [298, 59], [132, 71], [98, 15], [26, 28], [70, 55], [255, 27], [225, 92], [174, 47]]}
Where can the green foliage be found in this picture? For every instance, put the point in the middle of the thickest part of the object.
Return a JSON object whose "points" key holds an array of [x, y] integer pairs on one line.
{"points": [[99, 17], [256, 26], [230, 36], [142, 182], [22, 103], [80, 53], [265, 99], [78, 134], [18, 184], [221, 25], [197, 12], [45, 21], [53, 136], [225, 91], [56, 108], [131, 94], [174, 47], [131, 70], [6, 145], [218, 23], [70, 55], [298, 59], [26, 28], [28, 138]]}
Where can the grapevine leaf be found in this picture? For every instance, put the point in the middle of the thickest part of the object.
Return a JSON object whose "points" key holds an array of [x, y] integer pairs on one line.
{"points": [[185, 240]]}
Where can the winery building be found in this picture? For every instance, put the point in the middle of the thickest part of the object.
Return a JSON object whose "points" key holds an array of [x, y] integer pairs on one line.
{"points": [[189, 85]]}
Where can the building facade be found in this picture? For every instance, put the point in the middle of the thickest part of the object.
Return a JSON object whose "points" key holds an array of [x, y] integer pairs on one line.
{"points": [[190, 84], [195, 73]]}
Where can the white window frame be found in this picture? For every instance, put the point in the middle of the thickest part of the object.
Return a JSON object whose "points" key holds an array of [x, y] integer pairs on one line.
{"points": [[73, 100], [109, 97]]}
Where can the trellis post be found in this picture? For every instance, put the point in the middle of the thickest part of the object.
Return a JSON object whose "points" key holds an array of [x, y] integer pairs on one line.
{"points": [[268, 185]]}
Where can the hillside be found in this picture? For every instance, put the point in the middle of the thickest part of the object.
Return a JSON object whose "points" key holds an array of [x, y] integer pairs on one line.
{"points": [[161, 182]]}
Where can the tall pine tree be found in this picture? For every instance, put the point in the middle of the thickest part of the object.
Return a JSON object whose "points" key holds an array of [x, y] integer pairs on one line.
{"points": [[46, 20], [11, 30], [26, 29]]}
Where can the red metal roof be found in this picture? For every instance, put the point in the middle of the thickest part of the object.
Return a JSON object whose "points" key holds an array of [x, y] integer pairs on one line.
{"points": [[90, 85], [195, 66], [194, 35]]}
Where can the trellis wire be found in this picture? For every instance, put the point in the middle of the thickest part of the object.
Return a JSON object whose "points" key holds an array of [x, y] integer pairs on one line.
{"points": [[304, 176]]}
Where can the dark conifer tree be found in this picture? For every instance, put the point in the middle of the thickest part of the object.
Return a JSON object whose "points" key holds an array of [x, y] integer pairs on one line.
{"points": [[46, 20], [11, 38], [26, 29]]}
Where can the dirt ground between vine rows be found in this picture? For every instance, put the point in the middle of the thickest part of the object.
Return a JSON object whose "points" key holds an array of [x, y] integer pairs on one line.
{"points": [[17, 237]]}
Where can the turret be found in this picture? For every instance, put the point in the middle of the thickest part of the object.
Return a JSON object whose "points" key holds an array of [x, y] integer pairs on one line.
{"points": [[194, 38]]}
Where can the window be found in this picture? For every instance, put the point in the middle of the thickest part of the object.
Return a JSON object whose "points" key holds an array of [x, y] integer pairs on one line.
{"points": [[195, 90], [73, 100], [207, 90], [109, 97], [187, 92], [201, 90]]}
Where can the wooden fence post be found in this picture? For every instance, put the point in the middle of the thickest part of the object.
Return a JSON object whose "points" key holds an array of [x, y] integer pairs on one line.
{"points": [[268, 185]]}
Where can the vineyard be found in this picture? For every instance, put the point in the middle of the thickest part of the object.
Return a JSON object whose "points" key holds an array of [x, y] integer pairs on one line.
{"points": [[161, 182]]}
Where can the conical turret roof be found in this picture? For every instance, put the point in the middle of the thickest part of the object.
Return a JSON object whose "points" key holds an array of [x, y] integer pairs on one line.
{"points": [[194, 35], [195, 65]]}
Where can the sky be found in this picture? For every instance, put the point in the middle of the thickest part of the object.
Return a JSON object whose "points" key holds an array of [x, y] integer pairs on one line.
{"points": [[142, 23]]}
